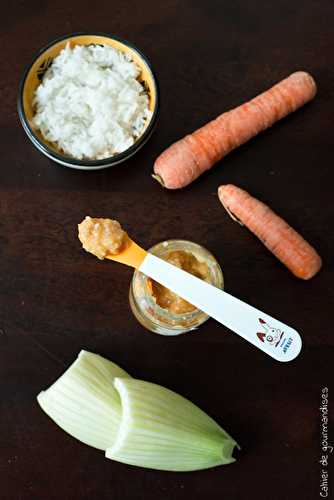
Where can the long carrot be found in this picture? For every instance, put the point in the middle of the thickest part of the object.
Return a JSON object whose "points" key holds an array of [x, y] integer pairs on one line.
{"points": [[188, 158], [276, 234]]}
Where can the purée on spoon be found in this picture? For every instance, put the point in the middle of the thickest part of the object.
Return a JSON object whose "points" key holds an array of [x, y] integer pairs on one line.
{"points": [[105, 238], [101, 237]]}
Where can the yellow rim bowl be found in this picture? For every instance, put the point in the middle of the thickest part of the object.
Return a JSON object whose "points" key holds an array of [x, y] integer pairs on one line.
{"points": [[33, 77]]}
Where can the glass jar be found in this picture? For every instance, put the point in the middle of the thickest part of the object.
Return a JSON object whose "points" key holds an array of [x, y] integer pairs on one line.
{"points": [[161, 320]]}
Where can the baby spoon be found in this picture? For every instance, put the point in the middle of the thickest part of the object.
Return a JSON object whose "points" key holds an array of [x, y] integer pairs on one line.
{"points": [[273, 337]]}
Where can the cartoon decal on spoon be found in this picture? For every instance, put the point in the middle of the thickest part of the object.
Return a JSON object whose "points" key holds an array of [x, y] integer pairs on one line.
{"points": [[271, 335]]}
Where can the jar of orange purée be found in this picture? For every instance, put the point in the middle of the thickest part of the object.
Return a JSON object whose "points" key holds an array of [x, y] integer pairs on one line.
{"points": [[160, 310]]}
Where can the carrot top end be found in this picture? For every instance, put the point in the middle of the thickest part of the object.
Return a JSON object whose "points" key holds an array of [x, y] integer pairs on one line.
{"points": [[231, 214], [159, 179]]}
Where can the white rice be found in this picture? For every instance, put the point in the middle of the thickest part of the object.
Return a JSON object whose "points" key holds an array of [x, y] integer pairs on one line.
{"points": [[90, 102]]}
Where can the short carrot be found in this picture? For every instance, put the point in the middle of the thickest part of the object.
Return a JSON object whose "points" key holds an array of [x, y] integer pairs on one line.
{"points": [[276, 234], [188, 158]]}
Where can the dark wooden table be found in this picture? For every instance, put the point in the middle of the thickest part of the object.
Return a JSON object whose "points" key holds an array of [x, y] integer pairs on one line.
{"points": [[55, 299]]}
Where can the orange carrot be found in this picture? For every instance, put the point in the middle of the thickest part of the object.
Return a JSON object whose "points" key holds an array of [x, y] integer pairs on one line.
{"points": [[188, 158], [276, 234]]}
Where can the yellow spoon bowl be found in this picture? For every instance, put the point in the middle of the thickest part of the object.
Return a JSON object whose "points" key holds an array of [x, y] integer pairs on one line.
{"points": [[132, 254]]}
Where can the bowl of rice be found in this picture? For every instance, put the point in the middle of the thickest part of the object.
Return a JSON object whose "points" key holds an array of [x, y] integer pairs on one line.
{"points": [[88, 101]]}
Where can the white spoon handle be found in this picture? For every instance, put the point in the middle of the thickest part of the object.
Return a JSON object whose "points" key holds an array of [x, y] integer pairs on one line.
{"points": [[273, 337]]}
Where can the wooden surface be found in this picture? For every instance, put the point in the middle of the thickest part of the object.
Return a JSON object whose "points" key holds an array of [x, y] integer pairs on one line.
{"points": [[55, 299]]}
